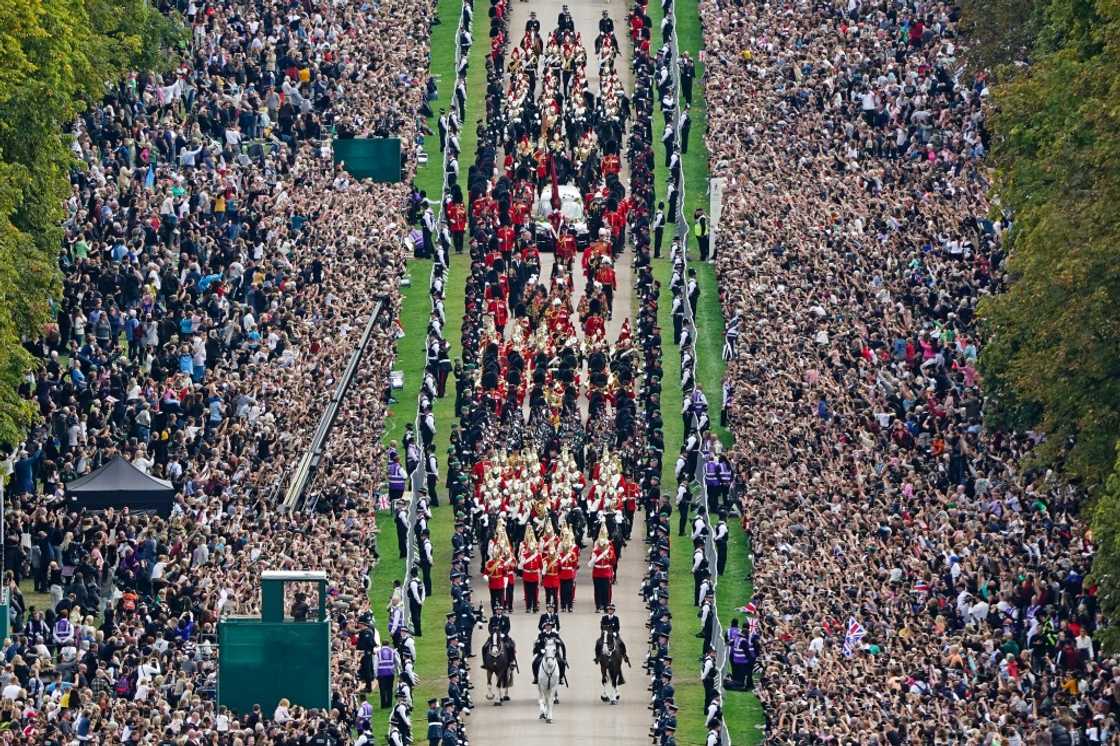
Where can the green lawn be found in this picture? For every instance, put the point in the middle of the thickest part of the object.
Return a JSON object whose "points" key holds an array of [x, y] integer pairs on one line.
{"points": [[416, 309], [742, 711], [429, 177], [431, 664], [431, 651]]}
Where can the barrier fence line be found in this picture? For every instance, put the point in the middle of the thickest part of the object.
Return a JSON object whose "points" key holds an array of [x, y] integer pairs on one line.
{"points": [[440, 266], [305, 470], [682, 230]]}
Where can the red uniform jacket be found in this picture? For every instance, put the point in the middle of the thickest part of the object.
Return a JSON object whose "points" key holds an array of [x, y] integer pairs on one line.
{"points": [[457, 217], [602, 563], [530, 565], [569, 564]]}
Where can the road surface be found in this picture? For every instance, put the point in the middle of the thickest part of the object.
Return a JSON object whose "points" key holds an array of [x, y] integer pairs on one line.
{"points": [[580, 718]]}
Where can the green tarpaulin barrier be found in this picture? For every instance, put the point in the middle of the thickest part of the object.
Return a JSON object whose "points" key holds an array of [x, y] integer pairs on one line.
{"points": [[370, 158]]}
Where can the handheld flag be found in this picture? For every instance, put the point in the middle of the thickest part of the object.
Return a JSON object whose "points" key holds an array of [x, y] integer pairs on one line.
{"points": [[852, 637]]}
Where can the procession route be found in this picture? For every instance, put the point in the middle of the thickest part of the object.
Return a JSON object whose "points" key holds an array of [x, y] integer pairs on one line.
{"points": [[580, 717]]}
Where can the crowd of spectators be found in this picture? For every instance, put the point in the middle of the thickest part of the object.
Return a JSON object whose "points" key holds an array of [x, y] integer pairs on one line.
{"points": [[218, 270], [853, 248]]}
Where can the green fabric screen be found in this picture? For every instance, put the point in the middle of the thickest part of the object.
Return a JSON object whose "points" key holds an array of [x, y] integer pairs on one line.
{"points": [[371, 158], [261, 662]]}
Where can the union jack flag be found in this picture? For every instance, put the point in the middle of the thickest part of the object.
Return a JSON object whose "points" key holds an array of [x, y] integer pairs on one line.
{"points": [[750, 608], [852, 637], [921, 586]]}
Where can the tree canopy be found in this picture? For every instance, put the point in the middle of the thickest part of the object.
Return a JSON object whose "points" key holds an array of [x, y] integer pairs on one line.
{"points": [[57, 54], [1052, 357]]}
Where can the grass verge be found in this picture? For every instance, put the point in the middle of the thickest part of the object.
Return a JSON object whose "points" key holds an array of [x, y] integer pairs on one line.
{"points": [[743, 711], [431, 664], [429, 177]]}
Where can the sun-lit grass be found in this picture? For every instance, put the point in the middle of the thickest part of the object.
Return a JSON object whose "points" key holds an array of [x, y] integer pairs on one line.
{"points": [[431, 664], [743, 711]]}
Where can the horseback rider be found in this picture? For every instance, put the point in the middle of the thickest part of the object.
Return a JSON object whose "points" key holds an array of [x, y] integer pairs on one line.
{"points": [[549, 617], [548, 633], [499, 623], [610, 623], [609, 620]]}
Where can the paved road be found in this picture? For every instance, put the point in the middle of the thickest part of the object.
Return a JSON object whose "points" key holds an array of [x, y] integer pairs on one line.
{"points": [[580, 717]]}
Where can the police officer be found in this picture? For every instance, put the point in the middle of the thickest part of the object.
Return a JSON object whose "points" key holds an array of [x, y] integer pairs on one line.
{"points": [[549, 616], [609, 621], [714, 714], [564, 21], [709, 672], [499, 623], [401, 519], [426, 555], [546, 634], [720, 536], [699, 569], [707, 620], [400, 717], [416, 596]]}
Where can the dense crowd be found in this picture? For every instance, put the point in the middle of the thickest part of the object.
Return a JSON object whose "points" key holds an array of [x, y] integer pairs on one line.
{"points": [[210, 304], [916, 581]]}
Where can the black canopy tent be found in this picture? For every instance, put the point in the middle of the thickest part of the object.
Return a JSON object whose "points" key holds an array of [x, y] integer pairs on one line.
{"points": [[118, 484]]}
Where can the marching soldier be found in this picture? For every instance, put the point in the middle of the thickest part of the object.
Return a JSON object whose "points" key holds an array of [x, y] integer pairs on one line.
{"points": [[550, 578], [496, 581], [530, 564], [569, 564], [602, 569]]}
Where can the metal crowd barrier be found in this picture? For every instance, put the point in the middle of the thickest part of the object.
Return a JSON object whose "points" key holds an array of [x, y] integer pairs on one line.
{"points": [[682, 232]]}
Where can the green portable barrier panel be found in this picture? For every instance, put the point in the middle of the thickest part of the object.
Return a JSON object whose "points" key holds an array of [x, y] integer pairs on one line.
{"points": [[370, 158], [261, 661], [4, 612]]}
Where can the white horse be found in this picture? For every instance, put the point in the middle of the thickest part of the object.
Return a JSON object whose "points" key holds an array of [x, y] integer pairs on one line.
{"points": [[548, 681]]}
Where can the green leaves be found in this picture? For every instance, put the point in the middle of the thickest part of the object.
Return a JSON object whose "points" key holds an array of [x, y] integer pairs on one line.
{"points": [[57, 55], [1054, 360]]}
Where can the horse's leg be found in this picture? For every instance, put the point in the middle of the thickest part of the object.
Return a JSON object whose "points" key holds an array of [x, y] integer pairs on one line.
{"points": [[603, 694]]}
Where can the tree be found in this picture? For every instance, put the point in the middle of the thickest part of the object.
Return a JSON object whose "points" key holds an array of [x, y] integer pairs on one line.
{"points": [[57, 55], [1053, 359], [1106, 561]]}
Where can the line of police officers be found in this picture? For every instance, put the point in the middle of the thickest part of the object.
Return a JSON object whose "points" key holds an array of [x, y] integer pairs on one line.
{"points": [[659, 508]]}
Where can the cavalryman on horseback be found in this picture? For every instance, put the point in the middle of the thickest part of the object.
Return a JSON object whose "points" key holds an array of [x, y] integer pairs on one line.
{"points": [[548, 632]]}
